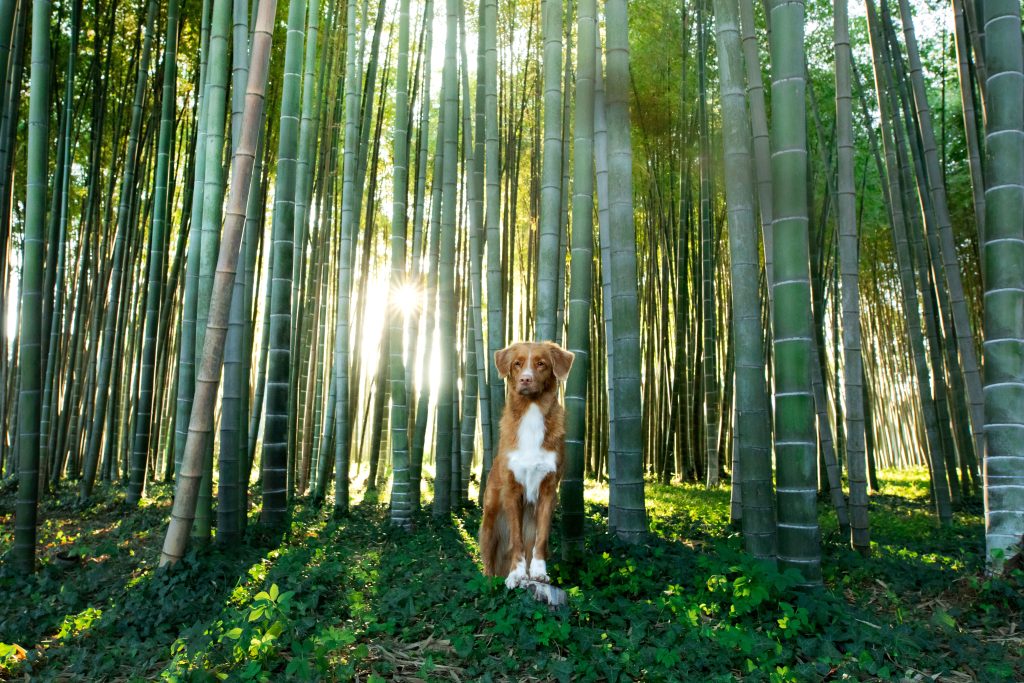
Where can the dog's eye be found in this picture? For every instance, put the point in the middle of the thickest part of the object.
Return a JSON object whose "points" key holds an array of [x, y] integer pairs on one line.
{"points": [[540, 364], [517, 364]]}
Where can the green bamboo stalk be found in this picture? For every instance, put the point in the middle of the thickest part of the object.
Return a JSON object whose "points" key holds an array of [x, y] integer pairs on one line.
{"points": [[401, 501], [365, 88], [467, 423], [276, 419], [312, 362], [753, 453], [71, 388], [342, 434], [380, 415], [307, 141], [849, 262], [303, 197], [759, 130], [1004, 285], [477, 244], [239, 66], [627, 460], [252, 239], [167, 371], [216, 97], [604, 232], [433, 256], [259, 391], [446, 272], [232, 470], [233, 464], [29, 330], [8, 12], [190, 298], [474, 163], [492, 212], [564, 189], [580, 282], [551, 171], [324, 463], [966, 80], [795, 441], [9, 107], [709, 361]]}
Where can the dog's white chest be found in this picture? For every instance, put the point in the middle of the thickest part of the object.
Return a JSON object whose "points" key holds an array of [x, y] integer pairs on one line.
{"points": [[529, 462]]}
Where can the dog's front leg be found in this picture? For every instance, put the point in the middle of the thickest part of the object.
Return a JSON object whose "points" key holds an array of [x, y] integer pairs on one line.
{"points": [[512, 502], [545, 507]]}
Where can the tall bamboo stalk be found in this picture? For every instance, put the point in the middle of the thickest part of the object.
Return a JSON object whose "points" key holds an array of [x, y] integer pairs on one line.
{"points": [[752, 462], [208, 380], [795, 437], [627, 477], [492, 212], [580, 283], [341, 331], [846, 199], [276, 420], [551, 171], [446, 271], [29, 328], [401, 500], [1004, 285], [709, 362]]}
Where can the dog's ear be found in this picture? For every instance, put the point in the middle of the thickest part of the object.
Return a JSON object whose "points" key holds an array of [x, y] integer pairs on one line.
{"points": [[502, 361], [561, 360]]}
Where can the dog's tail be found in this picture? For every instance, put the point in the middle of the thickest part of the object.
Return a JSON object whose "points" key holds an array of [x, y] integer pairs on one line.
{"points": [[494, 546]]}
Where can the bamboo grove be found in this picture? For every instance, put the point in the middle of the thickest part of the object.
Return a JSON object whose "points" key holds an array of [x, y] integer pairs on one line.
{"points": [[267, 250]]}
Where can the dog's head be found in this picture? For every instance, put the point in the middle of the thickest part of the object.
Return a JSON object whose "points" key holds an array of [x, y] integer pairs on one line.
{"points": [[533, 367]]}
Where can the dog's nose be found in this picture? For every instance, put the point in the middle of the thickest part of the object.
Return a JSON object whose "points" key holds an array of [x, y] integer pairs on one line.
{"points": [[526, 381]]}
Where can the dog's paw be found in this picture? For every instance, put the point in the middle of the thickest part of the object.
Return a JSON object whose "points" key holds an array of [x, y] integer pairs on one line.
{"points": [[516, 576], [539, 571]]}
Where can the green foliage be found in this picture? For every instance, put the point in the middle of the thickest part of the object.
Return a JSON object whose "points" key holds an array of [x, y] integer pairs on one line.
{"points": [[340, 600], [11, 655]]}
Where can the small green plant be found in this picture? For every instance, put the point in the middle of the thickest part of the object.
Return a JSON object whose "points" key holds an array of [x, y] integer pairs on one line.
{"points": [[12, 656]]}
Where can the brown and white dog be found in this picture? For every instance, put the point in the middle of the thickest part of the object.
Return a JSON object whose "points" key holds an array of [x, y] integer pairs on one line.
{"points": [[522, 486]]}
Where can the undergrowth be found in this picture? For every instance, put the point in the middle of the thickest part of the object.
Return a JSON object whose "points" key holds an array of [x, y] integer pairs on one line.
{"points": [[352, 599]]}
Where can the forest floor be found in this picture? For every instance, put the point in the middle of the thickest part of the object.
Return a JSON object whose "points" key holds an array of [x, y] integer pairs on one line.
{"points": [[351, 599]]}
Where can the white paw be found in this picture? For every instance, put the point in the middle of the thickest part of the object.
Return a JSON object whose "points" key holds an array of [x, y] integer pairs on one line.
{"points": [[517, 575], [539, 571]]}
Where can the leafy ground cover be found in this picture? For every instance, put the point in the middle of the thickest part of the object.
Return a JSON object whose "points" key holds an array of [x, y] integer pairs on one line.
{"points": [[351, 599]]}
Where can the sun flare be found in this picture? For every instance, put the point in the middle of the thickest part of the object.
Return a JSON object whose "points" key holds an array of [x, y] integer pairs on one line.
{"points": [[406, 298]]}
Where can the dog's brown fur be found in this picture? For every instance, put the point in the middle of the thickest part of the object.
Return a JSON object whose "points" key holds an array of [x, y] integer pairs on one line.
{"points": [[514, 529]]}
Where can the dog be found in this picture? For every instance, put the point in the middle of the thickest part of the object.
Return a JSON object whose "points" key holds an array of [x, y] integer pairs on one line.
{"points": [[522, 486]]}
